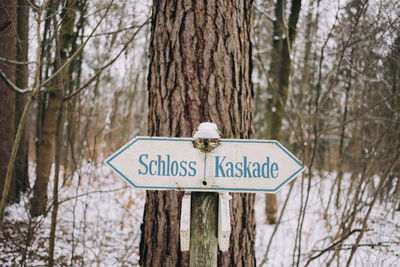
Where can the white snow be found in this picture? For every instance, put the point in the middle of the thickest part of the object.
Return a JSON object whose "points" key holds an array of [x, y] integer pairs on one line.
{"points": [[207, 130], [102, 226], [320, 228]]}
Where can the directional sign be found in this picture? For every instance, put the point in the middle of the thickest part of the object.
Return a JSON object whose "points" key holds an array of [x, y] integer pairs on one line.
{"points": [[160, 163]]}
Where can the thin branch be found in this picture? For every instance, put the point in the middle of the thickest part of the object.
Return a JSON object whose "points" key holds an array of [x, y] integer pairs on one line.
{"points": [[107, 65], [93, 192], [385, 244], [264, 13], [11, 85], [16, 62], [33, 5], [118, 31], [333, 245]]}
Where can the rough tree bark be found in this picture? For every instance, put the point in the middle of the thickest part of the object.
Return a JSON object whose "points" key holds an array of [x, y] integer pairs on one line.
{"points": [[279, 80], [8, 40], [200, 70]]}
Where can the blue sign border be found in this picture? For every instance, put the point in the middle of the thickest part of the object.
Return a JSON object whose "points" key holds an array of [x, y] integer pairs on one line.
{"points": [[108, 161]]}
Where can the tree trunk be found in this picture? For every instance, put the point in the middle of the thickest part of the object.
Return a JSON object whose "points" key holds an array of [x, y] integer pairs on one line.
{"points": [[279, 80], [21, 81], [200, 70], [47, 140], [45, 153], [8, 34]]}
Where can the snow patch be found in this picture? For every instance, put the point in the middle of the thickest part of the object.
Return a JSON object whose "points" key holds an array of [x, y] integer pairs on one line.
{"points": [[207, 130]]}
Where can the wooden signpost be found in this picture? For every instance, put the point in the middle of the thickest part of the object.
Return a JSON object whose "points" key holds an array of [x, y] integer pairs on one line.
{"points": [[209, 165]]}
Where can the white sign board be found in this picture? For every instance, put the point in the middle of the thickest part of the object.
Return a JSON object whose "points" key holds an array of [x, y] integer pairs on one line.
{"points": [[160, 163]]}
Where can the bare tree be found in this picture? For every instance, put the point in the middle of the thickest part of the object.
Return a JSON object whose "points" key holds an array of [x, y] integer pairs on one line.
{"points": [[279, 72]]}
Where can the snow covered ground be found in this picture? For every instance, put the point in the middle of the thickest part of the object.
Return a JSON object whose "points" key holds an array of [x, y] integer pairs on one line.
{"points": [[101, 227], [380, 245]]}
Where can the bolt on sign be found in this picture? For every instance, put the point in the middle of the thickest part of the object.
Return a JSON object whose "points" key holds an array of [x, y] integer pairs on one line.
{"points": [[233, 165]]}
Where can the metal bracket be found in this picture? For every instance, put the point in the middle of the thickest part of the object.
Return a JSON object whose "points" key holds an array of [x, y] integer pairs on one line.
{"points": [[224, 221], [185, 222]]}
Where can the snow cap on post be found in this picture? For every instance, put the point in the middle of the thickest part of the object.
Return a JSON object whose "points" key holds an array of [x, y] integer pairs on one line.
{"points": [[207, 130], [206, 137]]}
